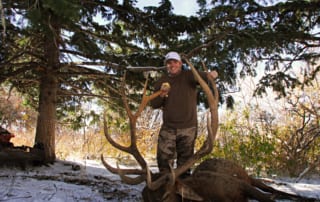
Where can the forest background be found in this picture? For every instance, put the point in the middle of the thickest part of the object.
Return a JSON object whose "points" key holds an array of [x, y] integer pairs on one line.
{"points": [[61, 70]]}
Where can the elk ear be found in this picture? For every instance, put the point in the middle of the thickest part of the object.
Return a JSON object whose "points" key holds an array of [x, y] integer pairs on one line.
{"points": [[187, 192]]}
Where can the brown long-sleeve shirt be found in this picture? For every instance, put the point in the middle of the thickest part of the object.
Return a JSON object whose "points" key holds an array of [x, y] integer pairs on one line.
{"points": [[180, 107]]}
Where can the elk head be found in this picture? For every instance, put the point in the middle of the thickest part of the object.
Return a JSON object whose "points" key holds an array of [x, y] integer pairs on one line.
{"points": [[165, 184]]}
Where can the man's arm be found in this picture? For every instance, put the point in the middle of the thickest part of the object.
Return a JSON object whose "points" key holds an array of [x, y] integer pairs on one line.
{"points": [[158, 101]]}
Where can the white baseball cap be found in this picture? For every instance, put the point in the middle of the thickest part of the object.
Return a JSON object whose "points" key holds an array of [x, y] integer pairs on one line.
{"points": [[172, 56]]}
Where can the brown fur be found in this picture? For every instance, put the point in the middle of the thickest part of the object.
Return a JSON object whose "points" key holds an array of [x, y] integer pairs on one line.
{"points": [[217, 180], [231, 168], [210, 186], [214, 186]]}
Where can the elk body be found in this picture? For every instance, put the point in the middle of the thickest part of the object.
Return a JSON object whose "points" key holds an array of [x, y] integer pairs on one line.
{"points": [[230, 168], [205, 186], [216, 180], [202, 185], [212, 186]]}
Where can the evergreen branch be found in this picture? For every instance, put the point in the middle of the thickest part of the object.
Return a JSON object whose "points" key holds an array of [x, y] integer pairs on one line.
{"points": [[14, 73]]}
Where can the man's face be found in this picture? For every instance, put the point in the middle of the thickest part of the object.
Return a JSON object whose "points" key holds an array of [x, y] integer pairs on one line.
{"points": [[174, 66]]}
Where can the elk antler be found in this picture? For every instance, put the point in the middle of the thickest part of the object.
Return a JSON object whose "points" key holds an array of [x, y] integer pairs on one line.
{"points": [[212, 127], [132, 148]]}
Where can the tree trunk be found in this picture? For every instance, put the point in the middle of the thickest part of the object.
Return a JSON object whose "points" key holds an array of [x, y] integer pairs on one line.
{"points": [[45, 133]]}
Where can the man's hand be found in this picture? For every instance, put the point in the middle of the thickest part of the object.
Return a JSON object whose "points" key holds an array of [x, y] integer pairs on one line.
{"points": [[165, 88], [213, 74]]}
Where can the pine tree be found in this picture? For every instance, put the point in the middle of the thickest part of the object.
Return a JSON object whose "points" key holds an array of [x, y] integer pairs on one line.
{"points": [[49, 48]]}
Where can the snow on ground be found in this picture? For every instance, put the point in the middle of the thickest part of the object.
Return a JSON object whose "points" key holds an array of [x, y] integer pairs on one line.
{"points": [[59, 183], [92, 182]]}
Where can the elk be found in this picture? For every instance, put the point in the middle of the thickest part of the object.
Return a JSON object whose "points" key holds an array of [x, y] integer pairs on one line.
{"points": [[230, 168], [203, 185]]}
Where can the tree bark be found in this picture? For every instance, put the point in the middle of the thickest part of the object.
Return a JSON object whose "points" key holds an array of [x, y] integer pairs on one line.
{"points": [[45, 132]]}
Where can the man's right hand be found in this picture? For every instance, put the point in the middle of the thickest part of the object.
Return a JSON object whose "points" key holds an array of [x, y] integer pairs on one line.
{"points": [[165, 88]]}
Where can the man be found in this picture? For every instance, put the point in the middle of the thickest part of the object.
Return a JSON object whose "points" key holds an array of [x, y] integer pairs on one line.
{"points": [[178, 101]]}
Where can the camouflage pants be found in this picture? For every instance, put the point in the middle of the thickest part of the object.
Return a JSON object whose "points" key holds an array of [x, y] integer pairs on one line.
{"points": [[175, 143]]}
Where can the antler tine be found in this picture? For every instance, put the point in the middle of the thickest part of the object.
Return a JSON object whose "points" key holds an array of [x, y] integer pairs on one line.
{"points": [[110, 139], [213, 85], [130, 180], [154, 185], [132, 148], [207, 147], [213, 126], [124, 97], [121, 172], [133, 120], [145, 98]]}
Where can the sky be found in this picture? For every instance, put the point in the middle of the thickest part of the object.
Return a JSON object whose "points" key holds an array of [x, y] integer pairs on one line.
{"points": [[185, 7]]}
